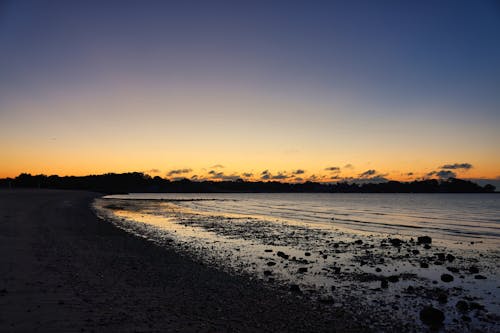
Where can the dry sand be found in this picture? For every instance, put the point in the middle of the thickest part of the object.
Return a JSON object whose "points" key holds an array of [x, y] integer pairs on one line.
{"points": [[63, 269]]}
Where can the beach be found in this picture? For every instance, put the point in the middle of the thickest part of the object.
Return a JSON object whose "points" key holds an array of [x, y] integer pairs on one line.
{"points": [[64, 269]]}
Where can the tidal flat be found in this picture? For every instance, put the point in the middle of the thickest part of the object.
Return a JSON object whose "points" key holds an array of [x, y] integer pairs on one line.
{"points": [[413, 278]]}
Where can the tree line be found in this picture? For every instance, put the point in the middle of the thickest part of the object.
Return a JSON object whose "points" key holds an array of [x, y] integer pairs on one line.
{"points": [[140, 182]]}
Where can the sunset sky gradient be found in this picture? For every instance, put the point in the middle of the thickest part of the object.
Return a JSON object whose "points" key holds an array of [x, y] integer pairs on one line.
{"points": [[220, 90]]}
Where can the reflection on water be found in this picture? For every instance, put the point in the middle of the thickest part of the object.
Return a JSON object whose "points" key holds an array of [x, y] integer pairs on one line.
{"points": [[341, 249]]}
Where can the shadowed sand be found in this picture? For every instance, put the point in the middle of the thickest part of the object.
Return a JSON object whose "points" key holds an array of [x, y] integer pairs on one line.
{"points": [[63, 269]]}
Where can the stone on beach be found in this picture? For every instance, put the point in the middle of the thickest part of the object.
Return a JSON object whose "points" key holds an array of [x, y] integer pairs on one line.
{"points": [[432, 316]]}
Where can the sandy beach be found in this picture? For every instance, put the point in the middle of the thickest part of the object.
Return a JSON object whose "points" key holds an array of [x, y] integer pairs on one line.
{"points": [[63, 269]]}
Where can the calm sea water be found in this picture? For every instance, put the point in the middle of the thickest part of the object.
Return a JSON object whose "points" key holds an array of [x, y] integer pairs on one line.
{"points": [[453, 217]]}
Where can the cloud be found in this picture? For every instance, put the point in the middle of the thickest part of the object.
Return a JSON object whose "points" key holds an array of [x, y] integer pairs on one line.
{"points": [[442, 174], [333, 169], [154, 171], [266, 175], [217, 166], [409, 174], [298, 172], [349, 166], [367, 173], [247, 174], [222, 176], [455, 166], [178, 172], [298, 179]]}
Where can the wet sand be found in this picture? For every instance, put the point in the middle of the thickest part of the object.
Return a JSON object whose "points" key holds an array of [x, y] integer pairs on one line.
{"points": [[63, 269]]}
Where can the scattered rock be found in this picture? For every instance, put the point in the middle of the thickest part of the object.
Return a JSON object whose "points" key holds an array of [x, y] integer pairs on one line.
{"points": [[424, 240], [424, 265], [476, 306], [442, 298], [453, 269], [427, 246], [473, 270], [302, 270], [282, 255], [396, 242], [271, 263], [359, 242], [384, 284], [441, 256], [450, 257], [267, 273], [446, 278], [432, 316], [327, 299], [462, 306], [393, 278], [480, 277]]}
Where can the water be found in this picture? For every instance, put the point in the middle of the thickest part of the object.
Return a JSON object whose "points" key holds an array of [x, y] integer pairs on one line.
{"points": [[460, 217], [337, 247]]}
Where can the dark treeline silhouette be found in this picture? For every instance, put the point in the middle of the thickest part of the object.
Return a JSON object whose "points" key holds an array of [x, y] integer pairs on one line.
{"points": [[140, 182]]}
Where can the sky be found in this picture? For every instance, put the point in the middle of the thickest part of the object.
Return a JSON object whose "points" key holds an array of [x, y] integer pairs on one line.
{"points": [[262, 90]]}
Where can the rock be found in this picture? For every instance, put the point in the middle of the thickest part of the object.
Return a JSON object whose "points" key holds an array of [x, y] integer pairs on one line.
{"points": [[446, 278], [326, 299], [393, 278], [473, 270], [302, 270], [307, 254], [427, 246], [424, 265], [452, 269], [268, 250], [325, 256], [450, 257], [415, 252], [462, 306], [384, 284], [442, 298], [432, 316], [466, 318], [267, 273], [358, 242], [378, 269], [441, 256], [282, 255], [395, 242], [295, 288], [336, 270], [336, 245], [437, 262], [271, 263], [424, 240], [476, 306], [480, 277]]}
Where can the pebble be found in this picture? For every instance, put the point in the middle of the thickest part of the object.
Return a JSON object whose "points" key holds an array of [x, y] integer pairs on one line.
{"points": [[431, 316], [446, 278]]}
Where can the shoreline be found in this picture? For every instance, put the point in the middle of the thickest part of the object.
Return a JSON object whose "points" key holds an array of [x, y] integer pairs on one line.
{"points": [[64, 269]]}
